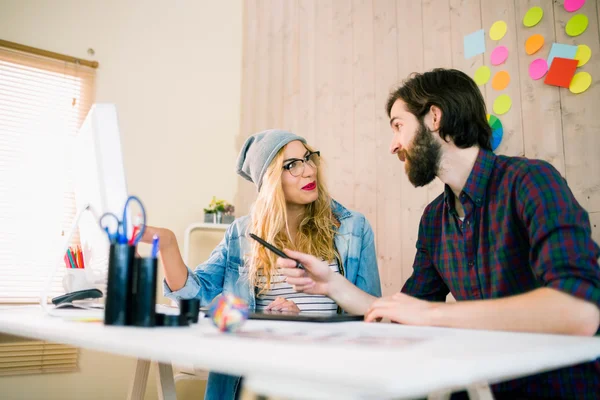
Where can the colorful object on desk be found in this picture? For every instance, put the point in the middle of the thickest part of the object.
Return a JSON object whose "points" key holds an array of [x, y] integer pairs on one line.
{"points": [[154, 246], [561, 72], [74, 258], [577, 25], [228, 312], [119, 235]]}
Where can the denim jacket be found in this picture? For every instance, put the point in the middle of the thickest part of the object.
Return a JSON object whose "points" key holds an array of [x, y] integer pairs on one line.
{"points": [[226, 272]]}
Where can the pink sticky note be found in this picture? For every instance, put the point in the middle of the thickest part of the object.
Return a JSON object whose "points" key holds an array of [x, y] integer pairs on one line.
{"points": [[538, 68], [573, 5], [499, 55]]}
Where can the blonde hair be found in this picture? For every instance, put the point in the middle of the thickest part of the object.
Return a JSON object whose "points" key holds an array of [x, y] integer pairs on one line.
{"points": [[269, 221]]}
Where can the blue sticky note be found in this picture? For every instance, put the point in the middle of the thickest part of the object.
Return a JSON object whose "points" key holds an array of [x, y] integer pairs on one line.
{"points": [[474, 44], [562, 51]]}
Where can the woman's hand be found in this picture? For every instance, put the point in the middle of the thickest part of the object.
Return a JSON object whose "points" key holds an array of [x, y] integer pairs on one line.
{"points": [[281, 304], [166, 238]]}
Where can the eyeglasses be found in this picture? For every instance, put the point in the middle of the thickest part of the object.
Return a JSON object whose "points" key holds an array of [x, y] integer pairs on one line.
{"points": [[296, 165]]}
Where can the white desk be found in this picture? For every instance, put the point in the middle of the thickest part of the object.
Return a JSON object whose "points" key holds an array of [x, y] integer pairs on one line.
{"points": [[443, 360]]}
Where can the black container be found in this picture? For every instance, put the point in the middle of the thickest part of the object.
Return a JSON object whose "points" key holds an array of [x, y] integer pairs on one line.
{"points": [[143, 292], [118, 288], [189, 308]]}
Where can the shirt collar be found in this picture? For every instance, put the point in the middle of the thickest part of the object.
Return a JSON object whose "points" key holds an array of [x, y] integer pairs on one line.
{"points": [[478, 179]]}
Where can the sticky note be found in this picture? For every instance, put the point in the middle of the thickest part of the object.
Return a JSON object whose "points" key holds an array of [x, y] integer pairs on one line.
{"points": [[498, 30], [533, 16], [538, 68], [534, 43], [474, 44], [501, 80], [497, 130], [502, 104], [580, 82], [499, 55], [561, 72], [577, 25], [482, 75], [583, 54], [573, 5], [562, 51]]}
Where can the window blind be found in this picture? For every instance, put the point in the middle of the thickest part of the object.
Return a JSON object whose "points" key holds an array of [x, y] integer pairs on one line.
{"points": [[20, 356], [43, 102]]}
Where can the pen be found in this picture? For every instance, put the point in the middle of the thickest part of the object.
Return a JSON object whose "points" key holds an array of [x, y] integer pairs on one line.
{"points": [[71, 260], [154, 246]]}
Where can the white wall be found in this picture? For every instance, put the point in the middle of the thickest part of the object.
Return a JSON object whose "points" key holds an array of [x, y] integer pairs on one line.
{"points": [[173, 68]]}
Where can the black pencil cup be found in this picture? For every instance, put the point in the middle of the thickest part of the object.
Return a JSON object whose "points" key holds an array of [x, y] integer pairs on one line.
{"points": [[189, 309], [118, 289], [143, 310]]}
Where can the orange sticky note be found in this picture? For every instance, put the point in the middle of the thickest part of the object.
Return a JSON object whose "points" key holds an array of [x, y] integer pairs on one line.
{"points": [[534, 43], [501, 80], [561, 72]]}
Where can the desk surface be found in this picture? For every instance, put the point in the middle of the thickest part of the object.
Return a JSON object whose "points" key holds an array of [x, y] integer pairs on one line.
{"points": [[363, 359]]}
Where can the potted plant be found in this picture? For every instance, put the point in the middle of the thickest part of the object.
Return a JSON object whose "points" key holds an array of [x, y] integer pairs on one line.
{"points": [[219, 212], [228, 213]]}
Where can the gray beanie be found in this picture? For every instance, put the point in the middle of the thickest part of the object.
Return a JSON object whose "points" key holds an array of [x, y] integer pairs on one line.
{"points": [[259, 150]]}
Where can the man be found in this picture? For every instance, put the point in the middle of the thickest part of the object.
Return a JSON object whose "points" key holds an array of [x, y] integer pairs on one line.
{"points": [[506, 238]]}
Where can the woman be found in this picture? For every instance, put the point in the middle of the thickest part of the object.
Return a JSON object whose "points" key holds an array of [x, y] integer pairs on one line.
{"points": [[293, 210]]}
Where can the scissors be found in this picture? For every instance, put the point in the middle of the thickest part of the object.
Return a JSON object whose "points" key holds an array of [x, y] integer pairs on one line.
{"points": [[119, 235]]}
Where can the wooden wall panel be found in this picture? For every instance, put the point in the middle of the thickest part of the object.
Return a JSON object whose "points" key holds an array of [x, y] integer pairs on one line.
{"points": [[365, 157], [385, 50], [540, 104], [580, 120], [324, 69]]}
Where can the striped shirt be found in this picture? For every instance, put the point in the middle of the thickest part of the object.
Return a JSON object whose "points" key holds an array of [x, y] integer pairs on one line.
{"points": [[306, 302]]}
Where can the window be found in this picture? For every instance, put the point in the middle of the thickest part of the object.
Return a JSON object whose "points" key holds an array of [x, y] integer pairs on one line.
{"points": [[43, 101]]}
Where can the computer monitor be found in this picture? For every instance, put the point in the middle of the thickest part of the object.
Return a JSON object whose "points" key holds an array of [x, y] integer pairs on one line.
{"points": [[100, 183]]}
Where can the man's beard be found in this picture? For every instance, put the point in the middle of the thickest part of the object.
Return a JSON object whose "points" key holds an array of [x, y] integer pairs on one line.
{"points": [[423, 157]]}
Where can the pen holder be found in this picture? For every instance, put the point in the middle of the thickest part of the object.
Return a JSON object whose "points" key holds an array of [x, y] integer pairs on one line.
{"points": [[76, 279], [189, 309], [118, 288], [143, 311]]}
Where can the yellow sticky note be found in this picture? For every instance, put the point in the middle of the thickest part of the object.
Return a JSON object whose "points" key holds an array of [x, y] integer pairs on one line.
{"points": [[583, 54], [580, 83], [502, 104], [498, 30], [482, 75], [577, 25], [533, 16]]}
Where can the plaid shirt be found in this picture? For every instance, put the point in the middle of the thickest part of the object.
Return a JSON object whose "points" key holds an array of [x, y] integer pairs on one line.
{"points": [[522, 230]]}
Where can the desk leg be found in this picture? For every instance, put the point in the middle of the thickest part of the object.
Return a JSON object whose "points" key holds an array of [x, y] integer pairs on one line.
{"points": [[480, 391], [138, 386], [165, 382]]}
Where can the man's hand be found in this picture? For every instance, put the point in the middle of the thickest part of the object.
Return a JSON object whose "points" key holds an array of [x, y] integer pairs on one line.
{"points": [[400, 308], [281, 304], [315, 278]]}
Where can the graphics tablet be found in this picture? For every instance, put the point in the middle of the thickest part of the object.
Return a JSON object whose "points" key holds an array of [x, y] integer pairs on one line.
{"points": [[304, 317]]}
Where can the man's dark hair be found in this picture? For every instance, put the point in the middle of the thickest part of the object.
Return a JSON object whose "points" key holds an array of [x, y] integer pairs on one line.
{"points": [[456, 94]]}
